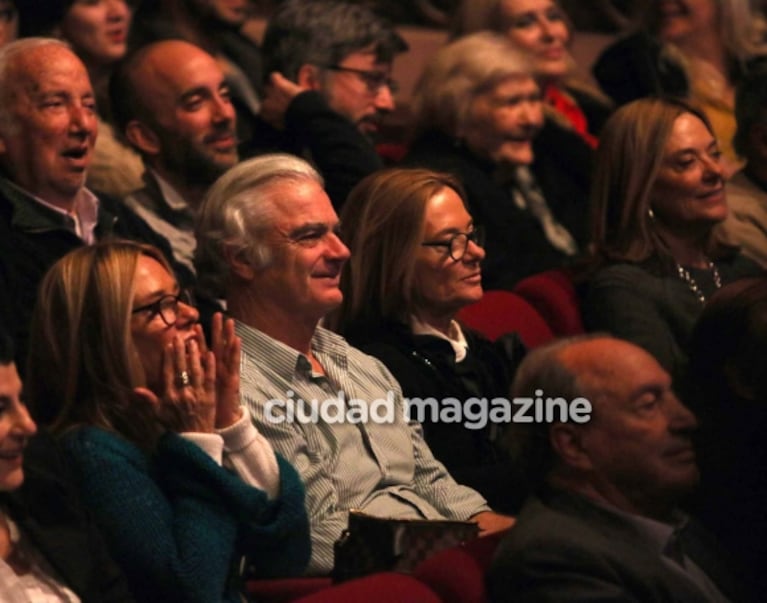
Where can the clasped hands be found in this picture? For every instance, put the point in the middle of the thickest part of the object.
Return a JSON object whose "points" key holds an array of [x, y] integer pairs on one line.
{"points": [[201, 386]]}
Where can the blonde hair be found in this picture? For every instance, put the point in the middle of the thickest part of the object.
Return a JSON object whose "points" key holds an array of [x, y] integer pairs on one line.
{"points": [[382, 223], [83, 366]]}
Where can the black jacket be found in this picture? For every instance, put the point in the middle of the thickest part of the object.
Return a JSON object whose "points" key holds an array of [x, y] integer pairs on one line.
{"points": [[33, 238], [425, 367], [327, 139], [516, 245]]}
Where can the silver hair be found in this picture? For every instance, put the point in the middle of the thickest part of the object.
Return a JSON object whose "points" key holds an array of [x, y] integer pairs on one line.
{"points": [[237, 213], [8, 54], [460, 71]]}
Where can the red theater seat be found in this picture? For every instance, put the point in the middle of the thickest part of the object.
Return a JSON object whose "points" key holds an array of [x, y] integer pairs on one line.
{"points": [[501, 312], [553, 295], [457, 574], [383, 587]]}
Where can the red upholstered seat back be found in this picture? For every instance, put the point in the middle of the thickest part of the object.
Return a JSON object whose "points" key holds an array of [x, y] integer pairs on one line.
{"points": [[553, 295], [457, 574], [501, 312]]}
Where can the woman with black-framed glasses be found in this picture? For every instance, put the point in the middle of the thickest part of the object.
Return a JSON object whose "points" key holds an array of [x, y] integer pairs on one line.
{"points": [[182, 484], [415, 262]]}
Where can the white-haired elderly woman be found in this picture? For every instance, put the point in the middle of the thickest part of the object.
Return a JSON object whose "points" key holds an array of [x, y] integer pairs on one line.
{"points": [[478, 115], [699, 51], [542, 28]]}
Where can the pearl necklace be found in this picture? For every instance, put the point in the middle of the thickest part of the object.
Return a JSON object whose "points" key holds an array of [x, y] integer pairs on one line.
{"points": [[692, 284]]}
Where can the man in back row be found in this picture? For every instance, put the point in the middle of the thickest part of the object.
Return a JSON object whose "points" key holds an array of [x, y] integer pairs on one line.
{"points": [[172, 103], [327, 65], [48, 129], [268, 241]]}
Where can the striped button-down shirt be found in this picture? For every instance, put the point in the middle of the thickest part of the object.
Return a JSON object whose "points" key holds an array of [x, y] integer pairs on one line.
{"points": [[382, 467]]}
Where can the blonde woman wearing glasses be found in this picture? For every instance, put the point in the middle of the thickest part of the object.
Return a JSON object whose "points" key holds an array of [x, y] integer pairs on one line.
{"points": [[150, 419]]}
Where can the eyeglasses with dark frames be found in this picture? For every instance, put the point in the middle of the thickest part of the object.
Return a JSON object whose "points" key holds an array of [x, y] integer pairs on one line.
{"points": [[167, 307], [458, 244], [374, 80]]}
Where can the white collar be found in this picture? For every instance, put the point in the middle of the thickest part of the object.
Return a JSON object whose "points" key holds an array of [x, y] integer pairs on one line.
{"points": [[454, 337]]}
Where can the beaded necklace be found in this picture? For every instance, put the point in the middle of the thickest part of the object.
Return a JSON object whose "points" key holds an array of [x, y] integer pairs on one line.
{"points": [[692, 284]]}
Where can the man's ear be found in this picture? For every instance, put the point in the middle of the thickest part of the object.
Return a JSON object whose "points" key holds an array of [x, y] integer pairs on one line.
{"points": [[567, 441], [238, 265], [308, 77], [142, 137]]}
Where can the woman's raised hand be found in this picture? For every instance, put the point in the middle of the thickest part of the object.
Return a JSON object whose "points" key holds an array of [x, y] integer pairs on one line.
{"points": [[226, 349], [188, 399]]}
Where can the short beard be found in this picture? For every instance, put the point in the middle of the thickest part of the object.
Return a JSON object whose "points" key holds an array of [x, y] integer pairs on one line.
{"points": [[194, 167]]}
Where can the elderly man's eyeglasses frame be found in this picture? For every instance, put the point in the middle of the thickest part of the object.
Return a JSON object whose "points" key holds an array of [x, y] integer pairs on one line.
{"points": [[458, 244], [374, 80], [166, 307]]}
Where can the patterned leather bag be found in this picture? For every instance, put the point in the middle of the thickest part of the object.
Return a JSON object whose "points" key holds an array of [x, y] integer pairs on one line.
{"points": [[375, 544]]}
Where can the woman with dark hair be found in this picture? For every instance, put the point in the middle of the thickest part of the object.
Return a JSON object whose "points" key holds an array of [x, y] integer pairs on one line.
{"points": [[151, 421], [726, 385], [415, 263], [658, 194], [49, 550]]}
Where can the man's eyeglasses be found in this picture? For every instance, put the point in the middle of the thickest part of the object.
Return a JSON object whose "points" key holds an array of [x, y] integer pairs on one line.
{"points": [[166, 307], [374, 80], [457, 244]]}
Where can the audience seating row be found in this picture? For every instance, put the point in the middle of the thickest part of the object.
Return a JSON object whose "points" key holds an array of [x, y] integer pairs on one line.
{"points": [[455, 575]]}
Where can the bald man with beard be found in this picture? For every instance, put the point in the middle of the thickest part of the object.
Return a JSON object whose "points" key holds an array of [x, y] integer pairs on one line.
{"points": [[173, 105]]}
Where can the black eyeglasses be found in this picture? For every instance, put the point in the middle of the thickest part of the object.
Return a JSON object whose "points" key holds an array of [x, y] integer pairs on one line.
{"points": [[166, 307], [374, 80], [458, 243]]}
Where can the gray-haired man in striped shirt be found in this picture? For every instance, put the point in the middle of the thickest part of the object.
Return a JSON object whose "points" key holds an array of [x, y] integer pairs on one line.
{"points": [[268, 241]]}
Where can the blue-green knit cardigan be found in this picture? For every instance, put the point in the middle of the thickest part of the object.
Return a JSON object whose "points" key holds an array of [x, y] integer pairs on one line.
{"points": [[177, 523]]}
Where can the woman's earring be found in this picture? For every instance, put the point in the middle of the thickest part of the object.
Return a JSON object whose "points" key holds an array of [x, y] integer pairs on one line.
{"points": [[651, 214]]}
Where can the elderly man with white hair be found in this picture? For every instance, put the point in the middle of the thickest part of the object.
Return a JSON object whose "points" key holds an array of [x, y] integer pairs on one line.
{"points": [[48, 128]]}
